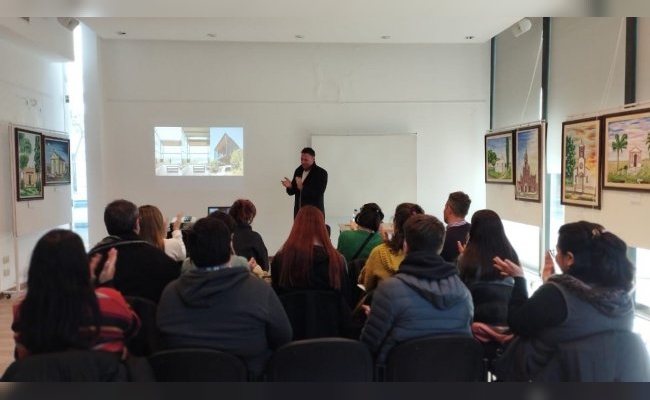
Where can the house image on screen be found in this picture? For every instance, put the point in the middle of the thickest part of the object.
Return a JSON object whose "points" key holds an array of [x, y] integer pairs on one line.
{"points": [[224, 149]]}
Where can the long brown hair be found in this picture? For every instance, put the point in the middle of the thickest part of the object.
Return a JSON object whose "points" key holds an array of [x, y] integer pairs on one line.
{"points": [[298, 251], [152, 226]]}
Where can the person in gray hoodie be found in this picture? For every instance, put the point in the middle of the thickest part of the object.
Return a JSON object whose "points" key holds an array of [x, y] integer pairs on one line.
{"points": [[424, 298], [220, 306]]}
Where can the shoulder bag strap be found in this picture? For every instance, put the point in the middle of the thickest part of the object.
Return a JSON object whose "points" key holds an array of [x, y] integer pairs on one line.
{"points": [[363, 245]]}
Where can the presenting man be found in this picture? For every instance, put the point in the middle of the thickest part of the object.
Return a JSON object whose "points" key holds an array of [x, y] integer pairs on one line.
{"points": [[308, 183]]}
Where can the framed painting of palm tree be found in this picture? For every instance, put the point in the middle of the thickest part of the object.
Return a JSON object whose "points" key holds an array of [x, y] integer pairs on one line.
{"points": [[626, 149], [581, 163], [528, 163], [499, 163]]}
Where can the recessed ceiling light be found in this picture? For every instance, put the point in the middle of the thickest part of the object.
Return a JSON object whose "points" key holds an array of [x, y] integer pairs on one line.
{"points": [[385, 37], [470, 37], [121, 33], [211, 35], [299, 37]]}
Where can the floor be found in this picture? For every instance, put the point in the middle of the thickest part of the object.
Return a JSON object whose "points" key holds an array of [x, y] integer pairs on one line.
{"points": [[6, 335]]}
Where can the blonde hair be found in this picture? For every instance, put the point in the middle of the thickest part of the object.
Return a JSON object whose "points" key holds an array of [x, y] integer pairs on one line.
{"points": [[152, 226]]}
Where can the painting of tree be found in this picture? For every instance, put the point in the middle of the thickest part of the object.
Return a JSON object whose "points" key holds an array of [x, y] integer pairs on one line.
{"points": [[498, 158], [581, 163], [627, 150], [29, 160]]}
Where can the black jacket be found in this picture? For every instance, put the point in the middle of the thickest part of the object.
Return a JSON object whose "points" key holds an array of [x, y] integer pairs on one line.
{"points": [[248, 243], [313, 189]]}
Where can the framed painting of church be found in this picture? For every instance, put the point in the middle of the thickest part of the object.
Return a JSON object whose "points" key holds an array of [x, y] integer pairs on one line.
{"points": [[528, 163], [626, 150], [581, 183], [499, 163], [29, 164], [57, 161]]}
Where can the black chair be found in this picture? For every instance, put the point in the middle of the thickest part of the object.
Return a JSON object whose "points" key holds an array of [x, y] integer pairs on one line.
{"points": [[317, 313], [197, 365], [436, 359], [68, 366], [321, 360], [148, 340]]}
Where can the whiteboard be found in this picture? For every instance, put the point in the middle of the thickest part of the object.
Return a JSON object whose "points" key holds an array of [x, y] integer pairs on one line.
{"points": [[372, 168], [54, 210]]}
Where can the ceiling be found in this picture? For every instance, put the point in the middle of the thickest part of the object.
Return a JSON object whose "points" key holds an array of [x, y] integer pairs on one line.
{"points": [[313, 21]]}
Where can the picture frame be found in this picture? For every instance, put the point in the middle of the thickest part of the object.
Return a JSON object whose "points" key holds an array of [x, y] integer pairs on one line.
{"points": [[626, 151], [29, 164], [528, 164], [499, 157], [56, 161], [581, 163]]}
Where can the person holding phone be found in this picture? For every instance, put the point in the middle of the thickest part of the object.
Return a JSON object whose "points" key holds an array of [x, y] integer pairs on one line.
{"points": [[308, 183]]}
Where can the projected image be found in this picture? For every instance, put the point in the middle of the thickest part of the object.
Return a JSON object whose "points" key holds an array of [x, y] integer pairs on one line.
{"points": [[199, 151]]}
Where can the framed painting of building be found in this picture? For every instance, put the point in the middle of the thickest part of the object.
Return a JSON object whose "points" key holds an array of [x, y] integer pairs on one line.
{"points": [[626, 149], [581, 183], [29, 164], [528, 164], [499, 152], [56, 163]]}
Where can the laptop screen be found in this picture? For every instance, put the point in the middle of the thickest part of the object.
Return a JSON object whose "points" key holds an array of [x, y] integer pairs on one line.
{"points": [[212, 209]]}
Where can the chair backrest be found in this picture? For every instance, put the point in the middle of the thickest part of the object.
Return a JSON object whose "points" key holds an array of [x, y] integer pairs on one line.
{"points": [[615, 356], [321, 360], [148, 340], [68, 366], [446, 358], [197, 365], [317, 313]]}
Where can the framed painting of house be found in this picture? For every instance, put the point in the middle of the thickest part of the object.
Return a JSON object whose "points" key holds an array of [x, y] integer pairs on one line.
{"points": [[56, 163], [499, 152], [626, 149], [528, 164], [29, 164], [581, 164]]}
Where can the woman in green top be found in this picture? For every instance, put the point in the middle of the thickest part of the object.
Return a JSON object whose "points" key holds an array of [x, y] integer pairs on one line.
{"points": [[358, 242]]}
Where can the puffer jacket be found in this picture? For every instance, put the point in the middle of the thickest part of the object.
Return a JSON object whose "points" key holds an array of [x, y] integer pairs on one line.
{"points": [[426, 297]]}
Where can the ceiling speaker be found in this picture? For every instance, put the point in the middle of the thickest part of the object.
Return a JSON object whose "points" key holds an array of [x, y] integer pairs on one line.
{"points": [[68, 22], [521, 27]]}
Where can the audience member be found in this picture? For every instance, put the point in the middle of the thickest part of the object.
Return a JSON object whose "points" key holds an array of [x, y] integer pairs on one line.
{"points": [[62, 310], [591, 296], [142, 269], [490, 290], [425, 297], [456, 208], [246, 242], [220, 306], [153, 229], [384, 260], [358, 242]]}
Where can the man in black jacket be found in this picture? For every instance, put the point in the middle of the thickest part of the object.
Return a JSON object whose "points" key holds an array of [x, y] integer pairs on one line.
{"points": [[141, 269], [308, 183]]}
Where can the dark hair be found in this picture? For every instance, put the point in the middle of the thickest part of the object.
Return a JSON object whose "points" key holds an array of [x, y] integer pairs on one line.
{"points": [[599, 256], [243, 210], [120, 217], [402, 212], [227, 219], [208, 242], [459, 203], [308, 150], [424, 232], [370, 216], [487, 239], [298, 250], [60, 297]]}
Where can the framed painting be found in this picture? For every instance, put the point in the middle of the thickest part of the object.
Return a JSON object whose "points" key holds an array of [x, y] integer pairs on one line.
{"points": [[528, 164], [626, 149], [29, 164], [499, 158], [57, 161], [581, 164]]}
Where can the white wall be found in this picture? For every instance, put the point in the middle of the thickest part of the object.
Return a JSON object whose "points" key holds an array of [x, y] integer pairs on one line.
{"points": [[31, 94], [282, 94]]}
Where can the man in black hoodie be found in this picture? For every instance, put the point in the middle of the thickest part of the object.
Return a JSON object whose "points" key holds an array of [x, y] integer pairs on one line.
{"points": [[220, 306], [141, 269]]}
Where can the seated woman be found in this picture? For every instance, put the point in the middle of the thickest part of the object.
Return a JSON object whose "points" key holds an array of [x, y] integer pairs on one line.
{"points": [[591, 296], [62, 309], [246, 242], [490, 290], [153, 229], [357, 243], [384, 260]]}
